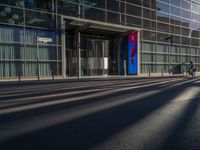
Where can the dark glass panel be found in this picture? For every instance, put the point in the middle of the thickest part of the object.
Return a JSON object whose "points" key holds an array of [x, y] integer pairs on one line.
{"points": [[176, 39], [69, 9], [162, 7], [146, 13], [162, 17], [186, 14], [17, 3], [94, 14], [186, 5], [175, 29], [133, 10], [185, 31], [114, 5], [175, 20], [148, 35], [185, 41], [133, 21], [40, 19], [163, 37], [137, 2], [95, 3], [176, 3], [11, 15], [194, 42], [39, 4], [185, 23], [162, 27], [113, 18], [195, 33], [175, 11]]}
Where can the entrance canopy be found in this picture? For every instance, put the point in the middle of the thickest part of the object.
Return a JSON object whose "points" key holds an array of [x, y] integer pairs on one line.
{"points": [[85, 24]]}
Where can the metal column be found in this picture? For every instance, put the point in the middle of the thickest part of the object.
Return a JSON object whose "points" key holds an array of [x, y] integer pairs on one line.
{"points": [[63, 47], [78, 37]]}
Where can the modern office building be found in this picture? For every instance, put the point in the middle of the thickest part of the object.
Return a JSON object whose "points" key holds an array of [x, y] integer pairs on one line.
{"points": [[97, 37]]}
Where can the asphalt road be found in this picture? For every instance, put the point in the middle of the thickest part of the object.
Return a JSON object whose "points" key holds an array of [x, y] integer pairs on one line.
{"points": [[102, 114]]}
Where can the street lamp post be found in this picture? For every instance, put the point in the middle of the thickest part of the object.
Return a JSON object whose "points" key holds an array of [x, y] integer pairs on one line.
{"points": [[43, 40]]}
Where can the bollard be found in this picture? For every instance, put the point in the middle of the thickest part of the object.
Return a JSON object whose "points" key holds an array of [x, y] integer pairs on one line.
{"points": [[38, 77], [162, 72], [149, 72], [53, 77], [19, 77]]}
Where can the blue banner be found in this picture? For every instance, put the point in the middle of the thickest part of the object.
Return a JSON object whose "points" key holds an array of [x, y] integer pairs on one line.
{"points": [[133, 54]]}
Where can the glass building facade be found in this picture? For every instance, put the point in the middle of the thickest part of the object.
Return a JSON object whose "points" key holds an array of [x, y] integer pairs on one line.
{"points": [[86, 35]]}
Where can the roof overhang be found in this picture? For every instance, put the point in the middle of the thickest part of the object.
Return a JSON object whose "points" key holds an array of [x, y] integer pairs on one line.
{"points": [[86, 23]]}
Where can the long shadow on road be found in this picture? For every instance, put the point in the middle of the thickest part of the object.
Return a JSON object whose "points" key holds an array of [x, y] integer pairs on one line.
{"points": [[88, 131], [182, 136]]}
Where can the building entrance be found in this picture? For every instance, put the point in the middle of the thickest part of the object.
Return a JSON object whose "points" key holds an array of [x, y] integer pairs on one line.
{"points": [[91, 51]]}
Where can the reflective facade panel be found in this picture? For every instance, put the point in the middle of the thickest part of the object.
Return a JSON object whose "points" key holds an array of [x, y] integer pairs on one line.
{"points": [[169, 33]]}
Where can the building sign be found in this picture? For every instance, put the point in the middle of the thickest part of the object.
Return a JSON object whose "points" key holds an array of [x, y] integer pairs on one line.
{"points": [[133, 54], [45, 39]]}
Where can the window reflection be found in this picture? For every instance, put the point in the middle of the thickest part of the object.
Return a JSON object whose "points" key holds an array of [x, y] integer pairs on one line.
{"points": [[40, 19], [17, 3], [11, 15], [39, 4]]}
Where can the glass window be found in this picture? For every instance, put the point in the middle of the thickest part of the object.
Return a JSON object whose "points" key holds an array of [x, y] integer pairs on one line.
{"points": [[194, 42], [175, 11], [185, 31], [113, 5], [176, 39], [186, 14], [11, 34], [94, 14], [186, 5], [176, 3], [162, 17], [137, 2], [165, 1], [95, 3], [16, 3], [185, 40], [175, 20], [162, 7], [174, 49], [39, 4], [69, 9], [163, 37], [195, 16], [148, 47], [113, 17], [185, 23], [147, 57], [161, 58], [162, 27], [147, 24], [162, 48], [133, 10], [147, 3], [194, 33], [40, 19], [147, 35], [195, 7], [11, 15], [133, 21], [146, 13]]}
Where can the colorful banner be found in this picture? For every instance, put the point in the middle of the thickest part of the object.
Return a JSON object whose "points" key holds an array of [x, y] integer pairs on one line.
{"points": [[133, 54]]}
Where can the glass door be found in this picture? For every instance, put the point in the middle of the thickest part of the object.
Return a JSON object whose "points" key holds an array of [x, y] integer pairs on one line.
{"points": [[94, 58]]}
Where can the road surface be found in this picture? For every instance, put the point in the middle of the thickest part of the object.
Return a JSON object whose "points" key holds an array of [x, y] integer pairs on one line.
{"points": [[102, 114]]}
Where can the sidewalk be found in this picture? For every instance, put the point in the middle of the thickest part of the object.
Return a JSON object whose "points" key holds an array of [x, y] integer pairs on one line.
{"points": [[34, 80]]}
